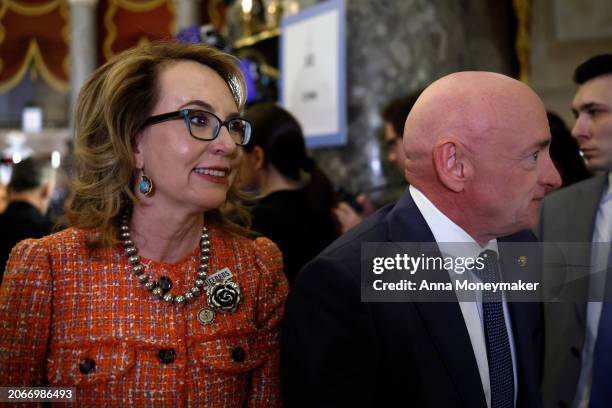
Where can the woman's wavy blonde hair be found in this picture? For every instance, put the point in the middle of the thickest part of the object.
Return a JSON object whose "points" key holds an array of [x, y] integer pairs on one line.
{"points": [[111, 110]]}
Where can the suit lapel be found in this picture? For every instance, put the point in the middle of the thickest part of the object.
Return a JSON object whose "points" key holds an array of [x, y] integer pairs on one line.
{"points": [[443, 320], [582, 210], [526, 356], [581, 215], [525, 320]]}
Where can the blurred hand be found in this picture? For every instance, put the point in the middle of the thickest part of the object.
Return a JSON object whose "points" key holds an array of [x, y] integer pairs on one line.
{"points": [[347, 216], [367, 205]]}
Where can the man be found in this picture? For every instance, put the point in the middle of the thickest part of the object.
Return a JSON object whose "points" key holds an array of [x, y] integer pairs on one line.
{"points": [[394, 115], [30, 191], [478, 167], [582, 213]]}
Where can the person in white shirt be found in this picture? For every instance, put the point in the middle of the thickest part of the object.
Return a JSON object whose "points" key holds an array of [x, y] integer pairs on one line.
{"points": [[578, 214], [478, 165]]}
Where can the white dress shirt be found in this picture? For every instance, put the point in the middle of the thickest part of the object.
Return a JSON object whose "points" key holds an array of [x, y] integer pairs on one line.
{"points": [[447, 234], [602, 232]]}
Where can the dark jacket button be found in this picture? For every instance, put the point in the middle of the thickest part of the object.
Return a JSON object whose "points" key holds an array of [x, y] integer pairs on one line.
{"points": [[165, 284], [238, 354], [166, 356], [575, 351], [87, 365]]}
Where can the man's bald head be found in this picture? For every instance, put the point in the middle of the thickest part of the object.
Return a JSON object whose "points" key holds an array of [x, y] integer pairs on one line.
{"points": [[466, 105], [465, 130]]}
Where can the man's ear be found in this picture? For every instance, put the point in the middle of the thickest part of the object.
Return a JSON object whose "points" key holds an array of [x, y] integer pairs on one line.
{"points": [[452, 166]]}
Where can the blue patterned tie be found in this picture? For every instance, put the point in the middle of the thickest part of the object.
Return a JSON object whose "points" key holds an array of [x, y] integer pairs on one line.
{"points": [[601, 389], [501, 375]]}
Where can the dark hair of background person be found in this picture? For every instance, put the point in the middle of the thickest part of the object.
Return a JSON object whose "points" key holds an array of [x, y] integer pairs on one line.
{"points": [[397, 110], [565, 153], [280, 137], [593, 67], [30, 173]]}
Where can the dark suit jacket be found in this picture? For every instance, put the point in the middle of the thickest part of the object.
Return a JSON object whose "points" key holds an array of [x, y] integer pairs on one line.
{"points": [[568, 215], [19, 221], [337, 351]]}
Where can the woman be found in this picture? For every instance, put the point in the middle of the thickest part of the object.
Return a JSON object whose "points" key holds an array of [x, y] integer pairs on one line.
{"points": [[297, 198], [152, 297]]}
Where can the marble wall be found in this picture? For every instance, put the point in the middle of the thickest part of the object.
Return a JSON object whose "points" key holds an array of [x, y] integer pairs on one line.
{"points": [[395, 47]]}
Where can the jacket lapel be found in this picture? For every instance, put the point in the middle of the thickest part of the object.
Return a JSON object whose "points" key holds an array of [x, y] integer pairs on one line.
{"points": [[526, 356], [583, 209], [581, 214], [526, 321], [443, 320]]}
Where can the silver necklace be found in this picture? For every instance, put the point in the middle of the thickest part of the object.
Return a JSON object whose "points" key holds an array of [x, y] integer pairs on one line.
{"points": [[222, 296]]}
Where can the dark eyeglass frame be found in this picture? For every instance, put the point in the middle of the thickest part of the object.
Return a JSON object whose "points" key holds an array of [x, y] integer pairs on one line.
{"points": [[185, 113]]}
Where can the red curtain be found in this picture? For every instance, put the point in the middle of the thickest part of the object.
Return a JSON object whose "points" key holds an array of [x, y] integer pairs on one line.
{"points": [[126, 23], [34, 33]]}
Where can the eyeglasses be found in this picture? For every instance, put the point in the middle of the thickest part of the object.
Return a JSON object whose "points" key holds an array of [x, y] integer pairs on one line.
{"points": [[204, 125]]}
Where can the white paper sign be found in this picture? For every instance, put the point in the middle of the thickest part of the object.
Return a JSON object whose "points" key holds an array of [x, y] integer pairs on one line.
{"points": [[313, 78]]}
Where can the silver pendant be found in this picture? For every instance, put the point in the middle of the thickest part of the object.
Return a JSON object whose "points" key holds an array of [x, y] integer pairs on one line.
{"points": [[224, 296], [206, 315]]}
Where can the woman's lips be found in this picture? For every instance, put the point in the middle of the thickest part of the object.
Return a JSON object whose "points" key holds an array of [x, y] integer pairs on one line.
{"points": [[217, 175]]}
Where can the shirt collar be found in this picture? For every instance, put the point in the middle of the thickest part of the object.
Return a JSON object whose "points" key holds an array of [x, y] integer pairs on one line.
{"points": [[446, 232]]}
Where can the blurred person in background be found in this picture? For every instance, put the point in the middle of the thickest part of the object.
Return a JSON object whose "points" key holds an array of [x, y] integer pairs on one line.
{"points": [[151, 297], [394, 116], [565, 153], [30, 191], [578, 349], [296, 198]]}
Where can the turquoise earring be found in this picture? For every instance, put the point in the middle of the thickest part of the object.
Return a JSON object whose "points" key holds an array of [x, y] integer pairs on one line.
{"points": [[145, 185]]}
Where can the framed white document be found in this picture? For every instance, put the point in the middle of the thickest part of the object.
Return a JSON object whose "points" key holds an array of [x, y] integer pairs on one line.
{"points": [[313, 72]]}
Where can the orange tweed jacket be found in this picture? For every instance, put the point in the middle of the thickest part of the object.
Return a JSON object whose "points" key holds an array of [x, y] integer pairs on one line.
{"points": [[61, 303]]}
